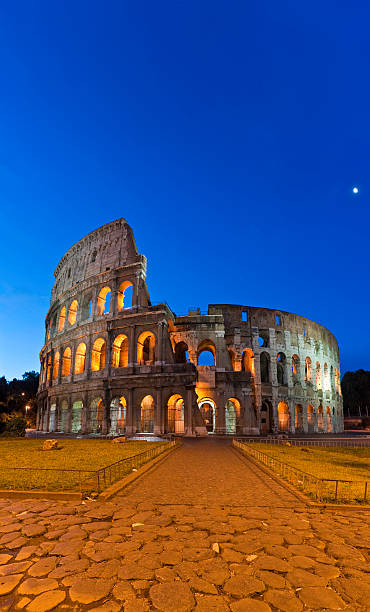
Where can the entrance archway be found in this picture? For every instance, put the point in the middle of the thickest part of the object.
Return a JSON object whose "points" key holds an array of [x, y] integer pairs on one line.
{"points": [[266, 417], [146, 423], [118, 415], [96, 415], [76, 416], [298, 421], [310, 419], [175, 408], [283, 415], [207, 409], [232, 415]]}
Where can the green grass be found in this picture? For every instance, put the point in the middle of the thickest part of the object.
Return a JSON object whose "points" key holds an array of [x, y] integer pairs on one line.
{"points": [[74, 454], [350, 464]]}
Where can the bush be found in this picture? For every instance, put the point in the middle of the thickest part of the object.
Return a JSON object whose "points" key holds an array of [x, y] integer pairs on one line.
{"points": [[16, 426]]}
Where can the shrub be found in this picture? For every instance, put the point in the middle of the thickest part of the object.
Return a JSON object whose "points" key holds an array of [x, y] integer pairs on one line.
{"points": [[16, 426]]}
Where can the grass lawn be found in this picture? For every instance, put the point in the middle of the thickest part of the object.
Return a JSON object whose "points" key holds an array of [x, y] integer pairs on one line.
{"points": [[84, 454], [332, 463]]}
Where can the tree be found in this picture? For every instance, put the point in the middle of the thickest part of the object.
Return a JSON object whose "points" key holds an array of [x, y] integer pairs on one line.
{"points": [[356, 393]]}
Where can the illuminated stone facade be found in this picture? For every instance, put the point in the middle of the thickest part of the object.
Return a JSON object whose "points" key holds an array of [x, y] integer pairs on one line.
{"points": [[113, 363]]}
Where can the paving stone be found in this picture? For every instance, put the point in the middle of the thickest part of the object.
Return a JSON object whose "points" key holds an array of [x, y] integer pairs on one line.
{"points": [[241, 586], [31, 531], [107, 607], [8, 583], [67, 548], [5, 558], [134, 571], [202, 586], [317, 598], [35, 586], [282, 600], [46, 601], [172, 597], [354, 589], [22, 603], [88, 591], [137, 605], [343, 551], [123, 591], [165, 574], [211, 603], [267, 562], [250, 605], [73, 567], [301, 578], [43, 567], [14, 568], [26, 552], [271, 579]]}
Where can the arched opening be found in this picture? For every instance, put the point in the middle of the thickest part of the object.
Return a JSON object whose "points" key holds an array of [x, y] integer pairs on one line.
{"points": [[318, 376], [266, 417], [66, 363], [120, 352], [80, 359], [48, 376], [181, 352], [326, 378], [308, 369], [52, 420], [335, 379], [76, 416], [72, 313], [329, 427], [281, 369], [103, 306], [283, 416], [298, 420], [232, 358], [295, 367], [56, 365], [146, 348], [206, 353], [62, 319], [265, 367], [263, 339], [232, 415], [64, 417], [146, 415], [247, 361], [98, 355], [320, 418], [207, 409], [124, 298], [118, 409], [86, 307], [310, 419], [96, 415], [175, 408]]}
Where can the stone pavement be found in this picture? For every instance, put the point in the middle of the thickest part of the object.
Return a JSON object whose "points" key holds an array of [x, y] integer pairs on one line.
{"points": [[205, 530]]}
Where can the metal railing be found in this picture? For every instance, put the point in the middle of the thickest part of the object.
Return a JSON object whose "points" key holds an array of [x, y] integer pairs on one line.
{"points": [[319, 489], [336, 442], [75, 480]]}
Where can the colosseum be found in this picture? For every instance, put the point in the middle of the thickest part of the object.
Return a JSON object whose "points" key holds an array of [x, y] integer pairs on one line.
{"points": [[113, 363]]}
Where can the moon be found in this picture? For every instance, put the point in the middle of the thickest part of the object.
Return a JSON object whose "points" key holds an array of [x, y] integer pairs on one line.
{"points": [[355, 190]]}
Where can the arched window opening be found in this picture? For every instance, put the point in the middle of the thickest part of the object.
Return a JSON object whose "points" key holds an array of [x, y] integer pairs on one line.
{"points": [[326, 378], [277, 319], [181, 352], [93, 256], [266, 417], [86, 307], [124, 298], [52, 419], [175, 408], [207, 409], [298, 421], [329, 427], [62, 319], [281, 369], [335, 379], [248, 361], [206, 353], [308, 369], [146, 349], [98, 355], [263, 339], [56, 365], [146, 415], [265, 367], [72, 313], [232, 415], [283, 416], [320, 418], [64, 417], [118, 409], [318, 376], [295, 366], [96, 415], [103, 306], [43, 370], [80, 358], [232, 358], [66, 363], [48, 376], [310, 419], [77, 417], [120, 352]]}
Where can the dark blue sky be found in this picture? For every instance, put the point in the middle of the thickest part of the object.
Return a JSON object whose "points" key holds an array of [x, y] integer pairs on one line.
{"points": [[228, 134]]}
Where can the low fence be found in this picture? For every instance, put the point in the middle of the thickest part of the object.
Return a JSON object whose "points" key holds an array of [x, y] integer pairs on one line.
{"points": [[336, 442], [74, 480], [319, 489]]}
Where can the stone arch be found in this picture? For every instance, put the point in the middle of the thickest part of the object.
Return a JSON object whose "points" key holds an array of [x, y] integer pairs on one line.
{"points": [[62, 319], [146, 348], [265, 367], [77, 407], [145, 421], [86, 306], [232, 415], [318, 376], [66, 362], [72, 312], [247, 361], [98, 355], [310, 419], [320, 418], [176, 414], [207, 408], [80, 359], [96, 415], [103, 305], [206, 353], [326, 377], [329, 421], [232, 358], [283, 416], [118, 415], [56, 365], [120, 351], [295, 366], [125, 295], [64, 417], [281, 369], [48, 375], [308, 369], [181, 352], [266, 417], [298, 418]]}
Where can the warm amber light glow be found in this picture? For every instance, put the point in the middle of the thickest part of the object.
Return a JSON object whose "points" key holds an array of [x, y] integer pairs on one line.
{"points": [[146, 348], [98, 355], [66, 363], [102, 301], [56, 365], [283, 413], [62, 319], [80, 358], [121, 295], [72, 313], [120, 352]]}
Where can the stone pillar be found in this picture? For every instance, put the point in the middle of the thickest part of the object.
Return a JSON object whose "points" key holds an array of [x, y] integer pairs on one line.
{"points": [[220, 417], [188, 411], [132, 354], [85, 413], [291, 417], [106, 418], [130, 413], [158, 412], [69, 427]]}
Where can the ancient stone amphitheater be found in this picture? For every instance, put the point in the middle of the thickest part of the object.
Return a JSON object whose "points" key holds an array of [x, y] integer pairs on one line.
{"points": [[113, 363]]}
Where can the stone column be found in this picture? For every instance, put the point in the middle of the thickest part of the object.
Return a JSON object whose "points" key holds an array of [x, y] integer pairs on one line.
{"points": [[69, 427], [291, 417], [188, 411], [130, 413], [106, 419], [132, 355], [85, 413], [158, 411]]}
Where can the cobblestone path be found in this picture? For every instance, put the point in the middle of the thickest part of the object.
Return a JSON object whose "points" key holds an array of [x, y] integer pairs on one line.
{"points": [[205, 530]]}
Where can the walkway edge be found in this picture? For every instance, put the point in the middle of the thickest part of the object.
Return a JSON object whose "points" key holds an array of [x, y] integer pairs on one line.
{"points": [[127, 480]]}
